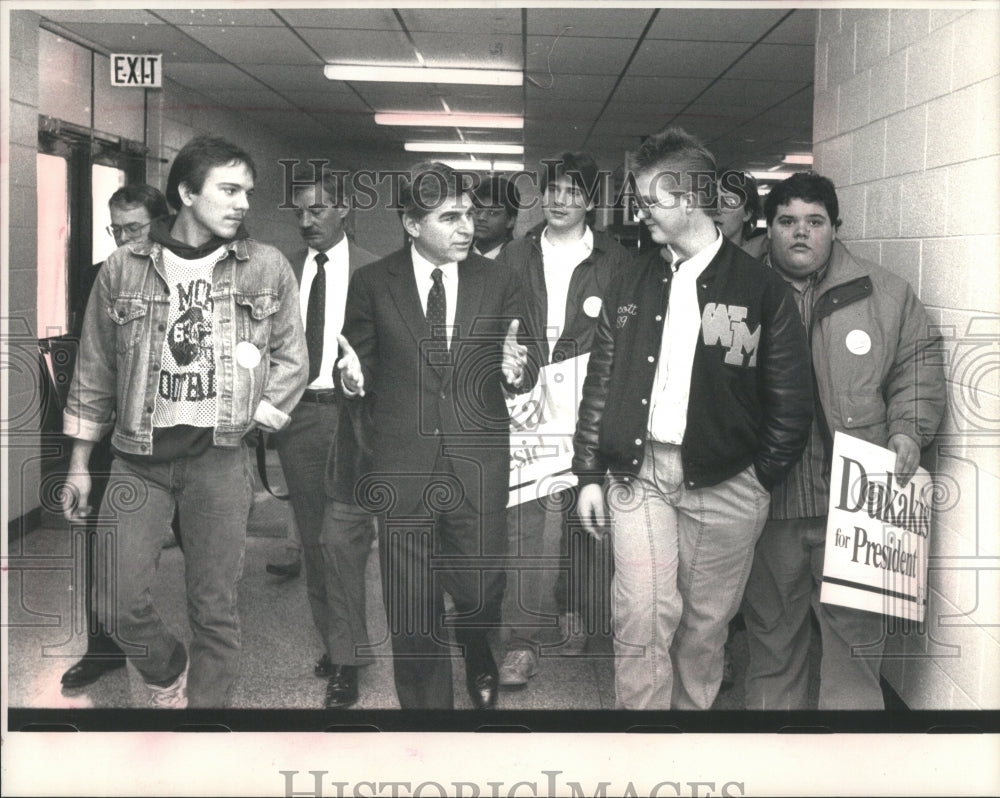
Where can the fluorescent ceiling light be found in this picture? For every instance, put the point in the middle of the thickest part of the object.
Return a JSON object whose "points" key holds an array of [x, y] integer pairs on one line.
{"points": [[771, 176], [463, 146], [421, 74], [484, 165], [805, 160], [449, 120]]}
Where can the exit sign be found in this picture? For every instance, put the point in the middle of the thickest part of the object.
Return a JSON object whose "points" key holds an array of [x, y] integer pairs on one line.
{"points": [[137, 70]]}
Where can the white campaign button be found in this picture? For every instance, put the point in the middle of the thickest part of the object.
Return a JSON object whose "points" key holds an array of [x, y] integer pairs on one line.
{"points": [[247, 355], [858, 342], [592, 306]]}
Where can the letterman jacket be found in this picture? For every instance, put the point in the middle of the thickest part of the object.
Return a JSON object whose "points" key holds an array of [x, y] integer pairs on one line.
{"points": [[750, 399]]}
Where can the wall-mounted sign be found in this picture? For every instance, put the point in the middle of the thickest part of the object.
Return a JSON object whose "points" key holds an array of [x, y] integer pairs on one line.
{"points": [[137, 70]]}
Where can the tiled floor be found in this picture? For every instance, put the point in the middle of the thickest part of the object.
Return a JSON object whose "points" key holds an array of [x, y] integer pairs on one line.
{"points": [[280, 644]]}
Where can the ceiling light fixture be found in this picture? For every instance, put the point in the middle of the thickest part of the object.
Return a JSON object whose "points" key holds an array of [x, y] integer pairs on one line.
{"points": [[484, 165], [771, 176], [422, 74], [463, 146], [803, 159], [449, 120]]}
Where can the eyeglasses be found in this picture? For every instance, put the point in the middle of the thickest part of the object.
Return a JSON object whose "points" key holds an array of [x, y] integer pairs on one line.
{"points": [[133, 229]]}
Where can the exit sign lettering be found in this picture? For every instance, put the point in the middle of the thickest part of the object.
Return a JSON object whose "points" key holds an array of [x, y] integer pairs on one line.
{"points": [[137, 70]]}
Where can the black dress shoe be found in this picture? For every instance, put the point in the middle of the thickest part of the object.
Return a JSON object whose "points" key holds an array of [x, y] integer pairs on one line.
{"points": [[323, 667], [91, 668], [342, 689], [289, 570], [481, 677]]}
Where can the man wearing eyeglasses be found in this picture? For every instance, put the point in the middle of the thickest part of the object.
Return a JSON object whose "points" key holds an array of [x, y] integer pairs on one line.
{"points": [[133, 208], [320, 448], [694, 407]]}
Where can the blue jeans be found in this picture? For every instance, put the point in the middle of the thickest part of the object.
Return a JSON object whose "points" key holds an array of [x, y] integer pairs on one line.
{"points": [[682, 558], [213, 493]]}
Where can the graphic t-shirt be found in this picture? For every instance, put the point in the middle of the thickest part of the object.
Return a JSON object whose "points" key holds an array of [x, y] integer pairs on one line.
{"points": [[186, 388]]}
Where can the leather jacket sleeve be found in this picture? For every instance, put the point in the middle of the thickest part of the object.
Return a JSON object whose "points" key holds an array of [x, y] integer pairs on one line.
{"points": [[588, 465], [786, 390]]}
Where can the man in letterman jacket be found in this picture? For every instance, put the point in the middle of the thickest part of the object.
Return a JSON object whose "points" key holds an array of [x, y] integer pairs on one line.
{"points": [[694, 407]]}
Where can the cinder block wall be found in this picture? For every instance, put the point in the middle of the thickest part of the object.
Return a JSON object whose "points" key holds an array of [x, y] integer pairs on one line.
{"points": [[22, 409], [905, 123]]}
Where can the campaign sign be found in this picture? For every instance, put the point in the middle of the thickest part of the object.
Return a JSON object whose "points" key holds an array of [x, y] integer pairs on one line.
{"points": [[877, 533], [542, 423]]}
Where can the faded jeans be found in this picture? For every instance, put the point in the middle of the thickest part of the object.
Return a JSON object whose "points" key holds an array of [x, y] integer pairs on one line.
{"points": [[213, 493], [682, 558]]}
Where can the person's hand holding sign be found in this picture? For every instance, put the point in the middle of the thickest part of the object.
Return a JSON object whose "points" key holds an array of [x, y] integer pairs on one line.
{"points": [[515, 356], [349, 367]]}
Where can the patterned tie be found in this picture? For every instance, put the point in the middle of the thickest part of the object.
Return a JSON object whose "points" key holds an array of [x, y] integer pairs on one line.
{"points": [[437, 307], [316, 317]]}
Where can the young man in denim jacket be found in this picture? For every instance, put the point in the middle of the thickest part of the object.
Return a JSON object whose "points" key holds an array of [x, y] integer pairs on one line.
{"points": [[190, 341]]}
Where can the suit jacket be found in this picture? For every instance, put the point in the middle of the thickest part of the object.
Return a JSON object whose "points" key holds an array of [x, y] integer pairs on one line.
{"points": [[430, 402], [350, 454]]}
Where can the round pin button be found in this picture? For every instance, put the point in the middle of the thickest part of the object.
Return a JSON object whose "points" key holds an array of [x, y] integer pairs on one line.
{"points": [[592, 306], [858, 342], [247, 355]]}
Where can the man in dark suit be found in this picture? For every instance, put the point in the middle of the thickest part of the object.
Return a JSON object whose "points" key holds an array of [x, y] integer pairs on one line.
{"points": [[431, 339], [323, 271]]}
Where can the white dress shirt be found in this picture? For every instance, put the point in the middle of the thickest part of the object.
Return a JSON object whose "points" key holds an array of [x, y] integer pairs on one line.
{"points": [[422, 269], [668, 403], [338, 271]]}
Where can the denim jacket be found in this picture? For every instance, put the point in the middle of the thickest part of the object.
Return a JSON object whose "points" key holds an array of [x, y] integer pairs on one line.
{"points": [[255, 298]]}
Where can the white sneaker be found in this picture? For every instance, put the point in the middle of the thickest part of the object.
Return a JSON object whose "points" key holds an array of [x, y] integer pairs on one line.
{"points": [[173, 696], [518, 666]]}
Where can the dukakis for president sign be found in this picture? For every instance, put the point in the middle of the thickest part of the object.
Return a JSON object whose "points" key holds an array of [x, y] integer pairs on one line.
{"points": [[877, 534]]}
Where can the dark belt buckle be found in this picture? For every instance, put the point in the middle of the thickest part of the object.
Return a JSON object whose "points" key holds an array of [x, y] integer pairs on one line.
{"points": [[320, 397]]}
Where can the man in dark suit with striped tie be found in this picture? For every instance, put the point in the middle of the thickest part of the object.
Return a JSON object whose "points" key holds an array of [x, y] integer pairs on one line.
{"points": [[323, 271], [431, 340]]}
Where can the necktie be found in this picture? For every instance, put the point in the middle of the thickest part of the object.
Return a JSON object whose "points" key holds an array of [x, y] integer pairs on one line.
{"points": [[437, 307], [316, 317]]}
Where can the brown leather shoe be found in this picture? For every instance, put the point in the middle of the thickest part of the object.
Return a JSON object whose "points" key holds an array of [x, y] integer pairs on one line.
{"points": [[342, 688]]}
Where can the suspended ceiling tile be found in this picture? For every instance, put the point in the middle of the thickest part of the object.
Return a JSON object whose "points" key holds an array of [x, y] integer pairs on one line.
{"points": [[684, 59], [624, 23], [758, 94], [210, 76], [483, 20], [349, 18], [386, 47], [103, 16], [222, 17], [656, 89], [250, 102], [246, 45], [152, 38], [327, 102], [552, 111], [278, 122], [799, 28], [718, 25], [547, 88], [483, 51], [309, 77], [776, 62], [577, 56]]}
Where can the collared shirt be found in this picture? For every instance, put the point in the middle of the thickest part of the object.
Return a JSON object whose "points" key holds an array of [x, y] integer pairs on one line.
{"points": [[805, 492], [558, 263], [490, 254], [422, 269], [668, 403], [338, 270]]}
